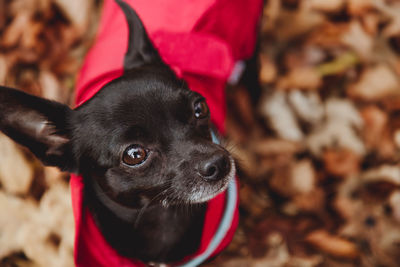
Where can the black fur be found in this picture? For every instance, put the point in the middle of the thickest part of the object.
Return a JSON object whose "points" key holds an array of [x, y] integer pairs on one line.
{"points": [[152, 211]]}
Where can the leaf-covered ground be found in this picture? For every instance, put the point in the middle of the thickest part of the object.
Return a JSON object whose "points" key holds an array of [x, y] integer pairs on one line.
{"points": [[318, 153]]}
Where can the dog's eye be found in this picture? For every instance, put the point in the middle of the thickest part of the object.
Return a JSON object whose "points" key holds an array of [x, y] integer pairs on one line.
{"points": [[201, 109], [134, 155]]}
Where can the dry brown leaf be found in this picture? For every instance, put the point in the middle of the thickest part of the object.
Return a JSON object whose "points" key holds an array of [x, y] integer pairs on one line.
{"points": [[14, 32], [270, 146], [387, 173], [305, 56], [16, 172], [332, 244], [49, 237], [294, 179], [376, 132], [291, 24], [370, 22], [277, 111], [21, 6], [335, 134], [52, 175], [303, 177], [328, 35], [271, 13], [394, 201], [77, 11], [338, 130], [343, 110], [391, 103], [313, 201], [15, 213], [326, 6], [358, 40], [307, 105], [3, 69], [304, 78], [341, 162], [50, 86], [3, 12], [396, 137], [268, 71], [391, 9], [277, 254], [29, 38], [375, 83], [359, 7]]}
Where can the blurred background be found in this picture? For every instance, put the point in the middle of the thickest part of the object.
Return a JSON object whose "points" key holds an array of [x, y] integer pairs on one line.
{"points": [[318, 151]]}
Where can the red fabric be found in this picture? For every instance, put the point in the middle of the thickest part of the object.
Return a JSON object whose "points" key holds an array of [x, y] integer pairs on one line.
{"points": [[200, 40]]}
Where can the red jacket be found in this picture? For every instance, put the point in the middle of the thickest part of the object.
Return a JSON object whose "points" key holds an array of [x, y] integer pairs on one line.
{"points": [[200, 40]]}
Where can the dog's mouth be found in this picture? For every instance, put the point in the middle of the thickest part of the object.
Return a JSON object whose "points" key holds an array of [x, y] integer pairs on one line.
{"points": [[201, 191]]}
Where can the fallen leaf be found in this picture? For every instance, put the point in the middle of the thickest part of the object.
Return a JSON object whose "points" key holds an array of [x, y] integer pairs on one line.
{"points": [[359, 7], [270, 146], [304, 78], [338, 130], [332, 244], [15, 213], [50, 86], [370, 23], [388, 173], [14, 32], [268, 71], [358, 40], [394, 201], [375, 83], [303, 177], [326, 6], [307, 105], [77, 11], [291, 24], [16, 172], [341, 162], [392, 10], [376, 132], [49, 238], [277, 111], [3, 69]]}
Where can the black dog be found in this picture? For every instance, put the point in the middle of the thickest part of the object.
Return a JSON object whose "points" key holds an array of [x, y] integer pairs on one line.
{"points": [[143, 146]]}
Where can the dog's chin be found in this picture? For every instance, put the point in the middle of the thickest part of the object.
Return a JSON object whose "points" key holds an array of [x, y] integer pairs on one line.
{"points": [[202, 192]]}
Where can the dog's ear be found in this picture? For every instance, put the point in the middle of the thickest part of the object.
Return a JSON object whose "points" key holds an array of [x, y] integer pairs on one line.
{"points": [[140, 49], [39, 124]]}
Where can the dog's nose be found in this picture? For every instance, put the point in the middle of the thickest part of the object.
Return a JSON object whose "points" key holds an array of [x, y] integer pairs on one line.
{"points": [[215, 168]]}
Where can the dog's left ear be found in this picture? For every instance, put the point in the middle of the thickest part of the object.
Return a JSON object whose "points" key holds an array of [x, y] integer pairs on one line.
{"points": [[140, 49], [38, 124]]}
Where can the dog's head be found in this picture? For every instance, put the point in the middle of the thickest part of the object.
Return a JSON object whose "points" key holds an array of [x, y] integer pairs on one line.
{"points": [[145, 137]]}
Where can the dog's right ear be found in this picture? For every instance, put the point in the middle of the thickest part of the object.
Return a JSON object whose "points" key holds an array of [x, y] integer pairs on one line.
{"points": [[140, 49], [38, 124]]}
